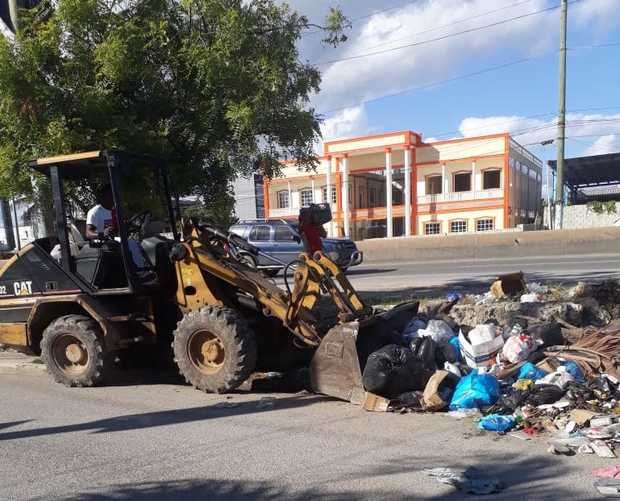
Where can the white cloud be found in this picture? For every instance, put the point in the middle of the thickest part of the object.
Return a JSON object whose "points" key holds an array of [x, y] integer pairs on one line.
{"points": [[604, 144], [347, 123], [601, 129], [348, 83]]}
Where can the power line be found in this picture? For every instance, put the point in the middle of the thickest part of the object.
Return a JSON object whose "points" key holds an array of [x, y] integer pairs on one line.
{"points": [[443, 37], [453, 79], [528, 117], [435, 83], [460, 21]]}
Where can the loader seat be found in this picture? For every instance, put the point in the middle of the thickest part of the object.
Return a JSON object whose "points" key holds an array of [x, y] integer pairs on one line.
{"points": [[102, 266]]}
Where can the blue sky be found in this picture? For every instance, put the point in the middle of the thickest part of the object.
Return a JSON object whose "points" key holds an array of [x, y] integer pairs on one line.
{"points": [[520, 98]]}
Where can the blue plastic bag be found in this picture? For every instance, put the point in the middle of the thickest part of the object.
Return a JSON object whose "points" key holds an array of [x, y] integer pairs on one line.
{"points": [[475, 391], [457, 348], [574, 370], [497, 422], [529, 371]]}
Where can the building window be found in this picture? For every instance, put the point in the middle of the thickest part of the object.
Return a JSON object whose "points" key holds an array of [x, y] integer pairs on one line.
{"points": [[491, 179], [458, 226], [260, 234], [372, 193], [284, 233], [485, 224], [306, 197], [462, 181], [283, 200], [433, 185], [333, 200], [432, 228]]}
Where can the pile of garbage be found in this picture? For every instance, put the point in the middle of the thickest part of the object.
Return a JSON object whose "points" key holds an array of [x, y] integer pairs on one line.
{"points": [[524, 375]]}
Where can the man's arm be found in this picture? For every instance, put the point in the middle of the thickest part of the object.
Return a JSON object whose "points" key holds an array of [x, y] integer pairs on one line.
{"points": [[91, 232]]}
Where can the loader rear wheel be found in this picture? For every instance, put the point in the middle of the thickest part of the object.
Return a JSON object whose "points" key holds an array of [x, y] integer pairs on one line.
{"points": [[72, 350], [215, 349]]}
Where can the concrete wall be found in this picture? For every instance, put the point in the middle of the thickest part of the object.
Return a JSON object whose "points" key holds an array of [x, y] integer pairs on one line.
{"points": [[248, 198], [580, 216], [493, 245]]}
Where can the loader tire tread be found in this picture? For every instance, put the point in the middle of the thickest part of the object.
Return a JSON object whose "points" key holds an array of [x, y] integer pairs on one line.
{"points": [[88, 332], [240, 348]]}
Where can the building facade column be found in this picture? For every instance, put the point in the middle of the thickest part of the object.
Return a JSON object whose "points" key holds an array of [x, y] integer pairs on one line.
{"points": [[313, 188], [388, 192], [444, 180], [345, 195], [265, 198], [407, 191], [328, 192], [290, 195], [414, 192], [473, 178]]}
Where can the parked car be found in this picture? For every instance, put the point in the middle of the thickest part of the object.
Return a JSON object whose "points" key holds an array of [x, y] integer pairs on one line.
{"points": [[280, 238]]}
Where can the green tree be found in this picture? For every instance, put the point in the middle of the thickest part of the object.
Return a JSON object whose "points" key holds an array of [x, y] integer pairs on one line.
{"points": [[215, 87]]}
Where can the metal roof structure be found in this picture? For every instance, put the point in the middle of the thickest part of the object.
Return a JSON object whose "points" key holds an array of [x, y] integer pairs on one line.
{"points": [[593, 177], [597, 170]]}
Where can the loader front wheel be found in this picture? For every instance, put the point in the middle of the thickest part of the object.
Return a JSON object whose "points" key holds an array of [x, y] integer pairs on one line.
{"points": [[215, 349], [73, 352]]}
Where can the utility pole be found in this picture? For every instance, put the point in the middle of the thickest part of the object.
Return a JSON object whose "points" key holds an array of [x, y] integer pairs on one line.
{"points": [[13, 14], [559, 179]]}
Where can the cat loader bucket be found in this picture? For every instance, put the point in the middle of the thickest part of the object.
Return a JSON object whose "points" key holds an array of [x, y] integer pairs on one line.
{"points": [[338, 363]]}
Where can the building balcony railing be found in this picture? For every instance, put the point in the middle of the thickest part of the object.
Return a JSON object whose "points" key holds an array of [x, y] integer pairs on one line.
{"points": [[289, 211], [457, 196]]}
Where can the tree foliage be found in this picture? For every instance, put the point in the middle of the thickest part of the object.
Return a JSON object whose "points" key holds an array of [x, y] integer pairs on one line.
{"points": [[215, 87]]}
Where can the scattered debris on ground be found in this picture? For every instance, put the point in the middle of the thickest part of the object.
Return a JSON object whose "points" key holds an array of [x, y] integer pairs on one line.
{"points": [[524, 360]]}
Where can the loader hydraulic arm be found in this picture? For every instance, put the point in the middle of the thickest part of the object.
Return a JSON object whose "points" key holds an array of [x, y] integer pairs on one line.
{"points": [[207, 262]]}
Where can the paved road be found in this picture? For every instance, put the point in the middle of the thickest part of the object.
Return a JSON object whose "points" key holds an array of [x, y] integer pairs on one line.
{"points": [[169, 442], [428, 277]]}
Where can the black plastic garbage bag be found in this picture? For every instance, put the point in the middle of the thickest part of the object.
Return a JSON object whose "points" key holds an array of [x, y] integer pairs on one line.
{"points": [[550, 334], [578, 393], [409, 400], [508, 402], [393, 370], [446, 353], [542, 394], [424, 349]]}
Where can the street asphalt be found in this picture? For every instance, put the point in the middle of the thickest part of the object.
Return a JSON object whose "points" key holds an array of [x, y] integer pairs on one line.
{"points": [[148, 437], [146, 440], [432, 277]]}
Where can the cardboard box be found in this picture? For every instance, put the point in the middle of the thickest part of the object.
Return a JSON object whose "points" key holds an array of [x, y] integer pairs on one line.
{"points": [[482, 354]]}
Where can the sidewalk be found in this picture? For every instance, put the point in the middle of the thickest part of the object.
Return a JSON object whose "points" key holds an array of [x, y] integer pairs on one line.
{"points": [[12, 362]]}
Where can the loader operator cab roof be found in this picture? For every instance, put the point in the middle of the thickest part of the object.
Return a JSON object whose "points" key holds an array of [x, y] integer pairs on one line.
{"points": [[131, 257]]}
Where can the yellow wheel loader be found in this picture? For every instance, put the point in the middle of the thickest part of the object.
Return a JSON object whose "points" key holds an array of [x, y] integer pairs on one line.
{"points": [[76, 300]]}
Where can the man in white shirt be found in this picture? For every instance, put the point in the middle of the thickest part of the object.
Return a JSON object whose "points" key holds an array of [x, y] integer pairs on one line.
{"points": [[101, 222], [101, 219]]}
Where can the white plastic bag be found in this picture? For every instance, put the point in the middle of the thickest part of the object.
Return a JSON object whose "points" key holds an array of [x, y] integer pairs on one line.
{"points": [[518, 348], [438, 330], [532, 297], [561, 377]]}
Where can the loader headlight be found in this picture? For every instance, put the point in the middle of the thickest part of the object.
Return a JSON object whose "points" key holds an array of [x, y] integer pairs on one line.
{"points": [[178, 252]]}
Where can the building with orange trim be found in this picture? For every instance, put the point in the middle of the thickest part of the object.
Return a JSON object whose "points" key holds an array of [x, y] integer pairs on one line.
{"points": [[395, 184]]}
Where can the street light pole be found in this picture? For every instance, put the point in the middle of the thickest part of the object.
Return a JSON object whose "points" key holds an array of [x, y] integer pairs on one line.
{"points": [[13, 14], [559, 183]]}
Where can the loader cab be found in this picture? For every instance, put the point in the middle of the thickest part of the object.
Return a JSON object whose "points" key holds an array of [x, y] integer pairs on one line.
{"points": [[131, 259]]}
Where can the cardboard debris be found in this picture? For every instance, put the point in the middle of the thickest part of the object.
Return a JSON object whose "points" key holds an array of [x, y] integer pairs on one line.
{"points": [[581, 416], [511, 284], [375, 403], [481, 354], [602, 450]]}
